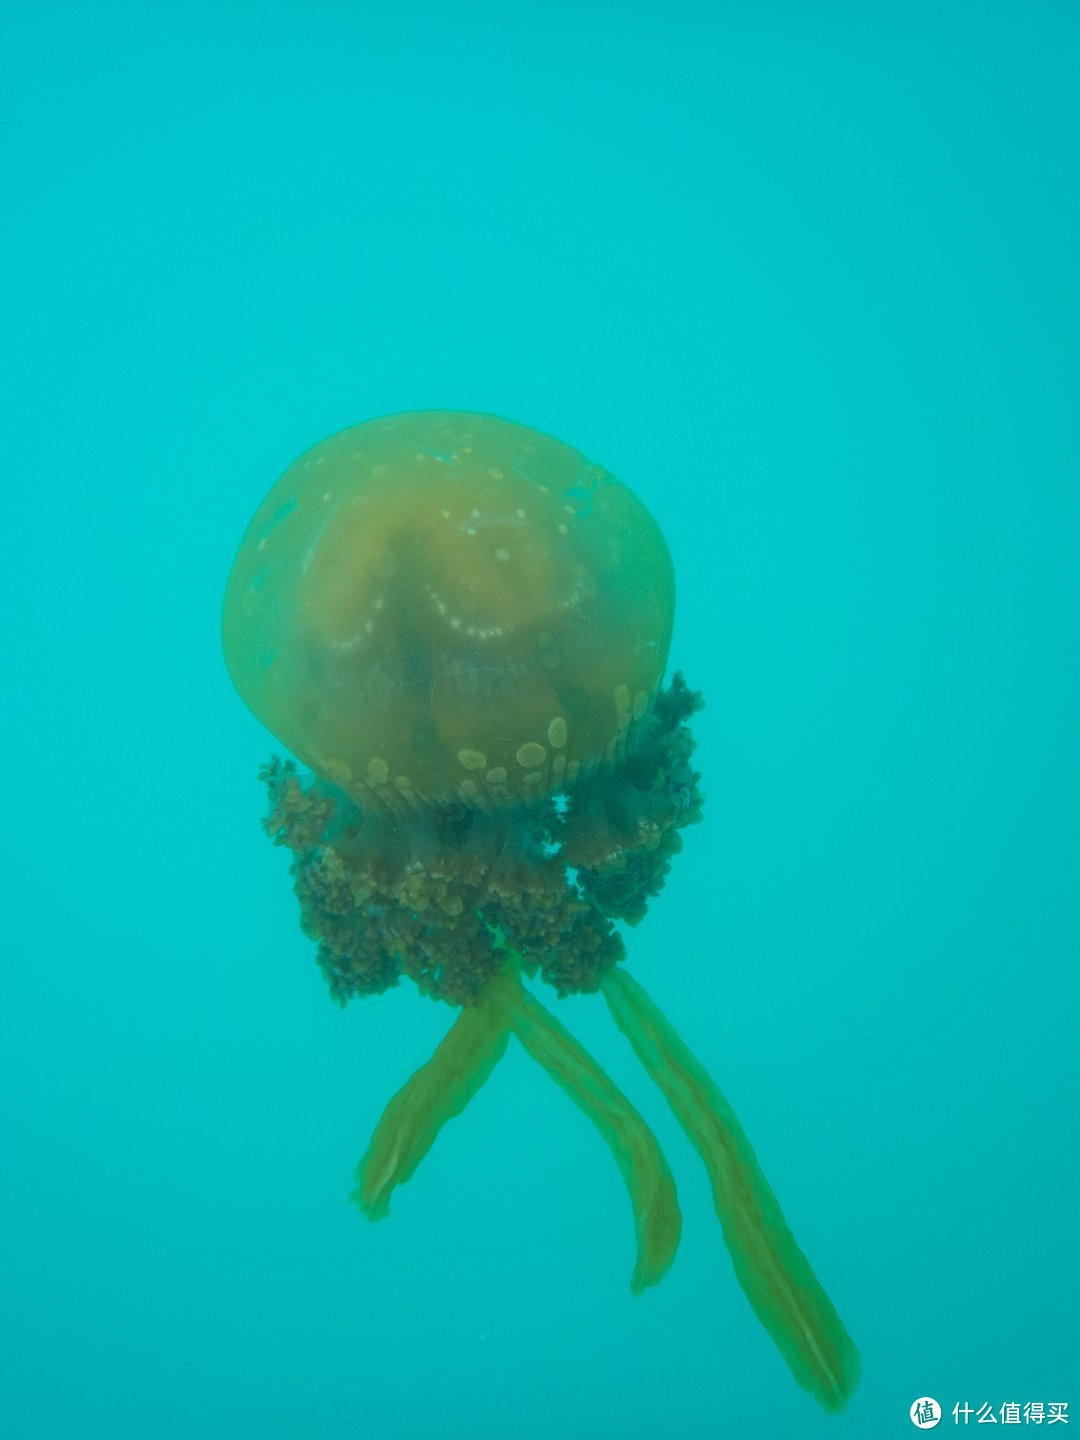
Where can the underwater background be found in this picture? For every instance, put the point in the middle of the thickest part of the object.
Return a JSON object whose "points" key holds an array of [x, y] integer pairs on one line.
{"points": [[805, 278]]}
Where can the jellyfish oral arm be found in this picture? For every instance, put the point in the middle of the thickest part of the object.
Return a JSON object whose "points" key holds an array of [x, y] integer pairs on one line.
{"points": [[657, 1219], [436, 1093], [775, 1275]]}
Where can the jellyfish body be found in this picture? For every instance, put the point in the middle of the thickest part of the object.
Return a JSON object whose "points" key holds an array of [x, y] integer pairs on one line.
{"points": [[461, 627], [441, 607]]}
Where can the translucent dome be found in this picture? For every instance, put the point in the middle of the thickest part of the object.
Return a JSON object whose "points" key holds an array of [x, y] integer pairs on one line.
{"points": [[441, 606]]}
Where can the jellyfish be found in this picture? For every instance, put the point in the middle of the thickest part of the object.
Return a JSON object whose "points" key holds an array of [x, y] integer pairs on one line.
{"points": [[459, 628]]}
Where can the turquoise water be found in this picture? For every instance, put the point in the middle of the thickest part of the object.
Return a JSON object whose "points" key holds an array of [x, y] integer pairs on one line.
{"points": [[805, 278]]}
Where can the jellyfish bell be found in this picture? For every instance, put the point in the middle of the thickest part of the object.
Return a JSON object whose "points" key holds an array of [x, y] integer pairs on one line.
{"points": [[460, 626], [441, 607]]}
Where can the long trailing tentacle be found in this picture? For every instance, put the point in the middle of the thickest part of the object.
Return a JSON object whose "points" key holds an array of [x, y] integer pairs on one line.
{"points": [[436, 1093], [657, 1219], [782, 1288]]}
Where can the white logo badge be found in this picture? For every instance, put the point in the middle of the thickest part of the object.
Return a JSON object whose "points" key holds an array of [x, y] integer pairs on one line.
{"points": [[925, 1413]]}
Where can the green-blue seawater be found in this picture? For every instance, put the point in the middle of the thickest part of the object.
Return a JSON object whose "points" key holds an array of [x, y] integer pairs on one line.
{"points": [[805, 278]]}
